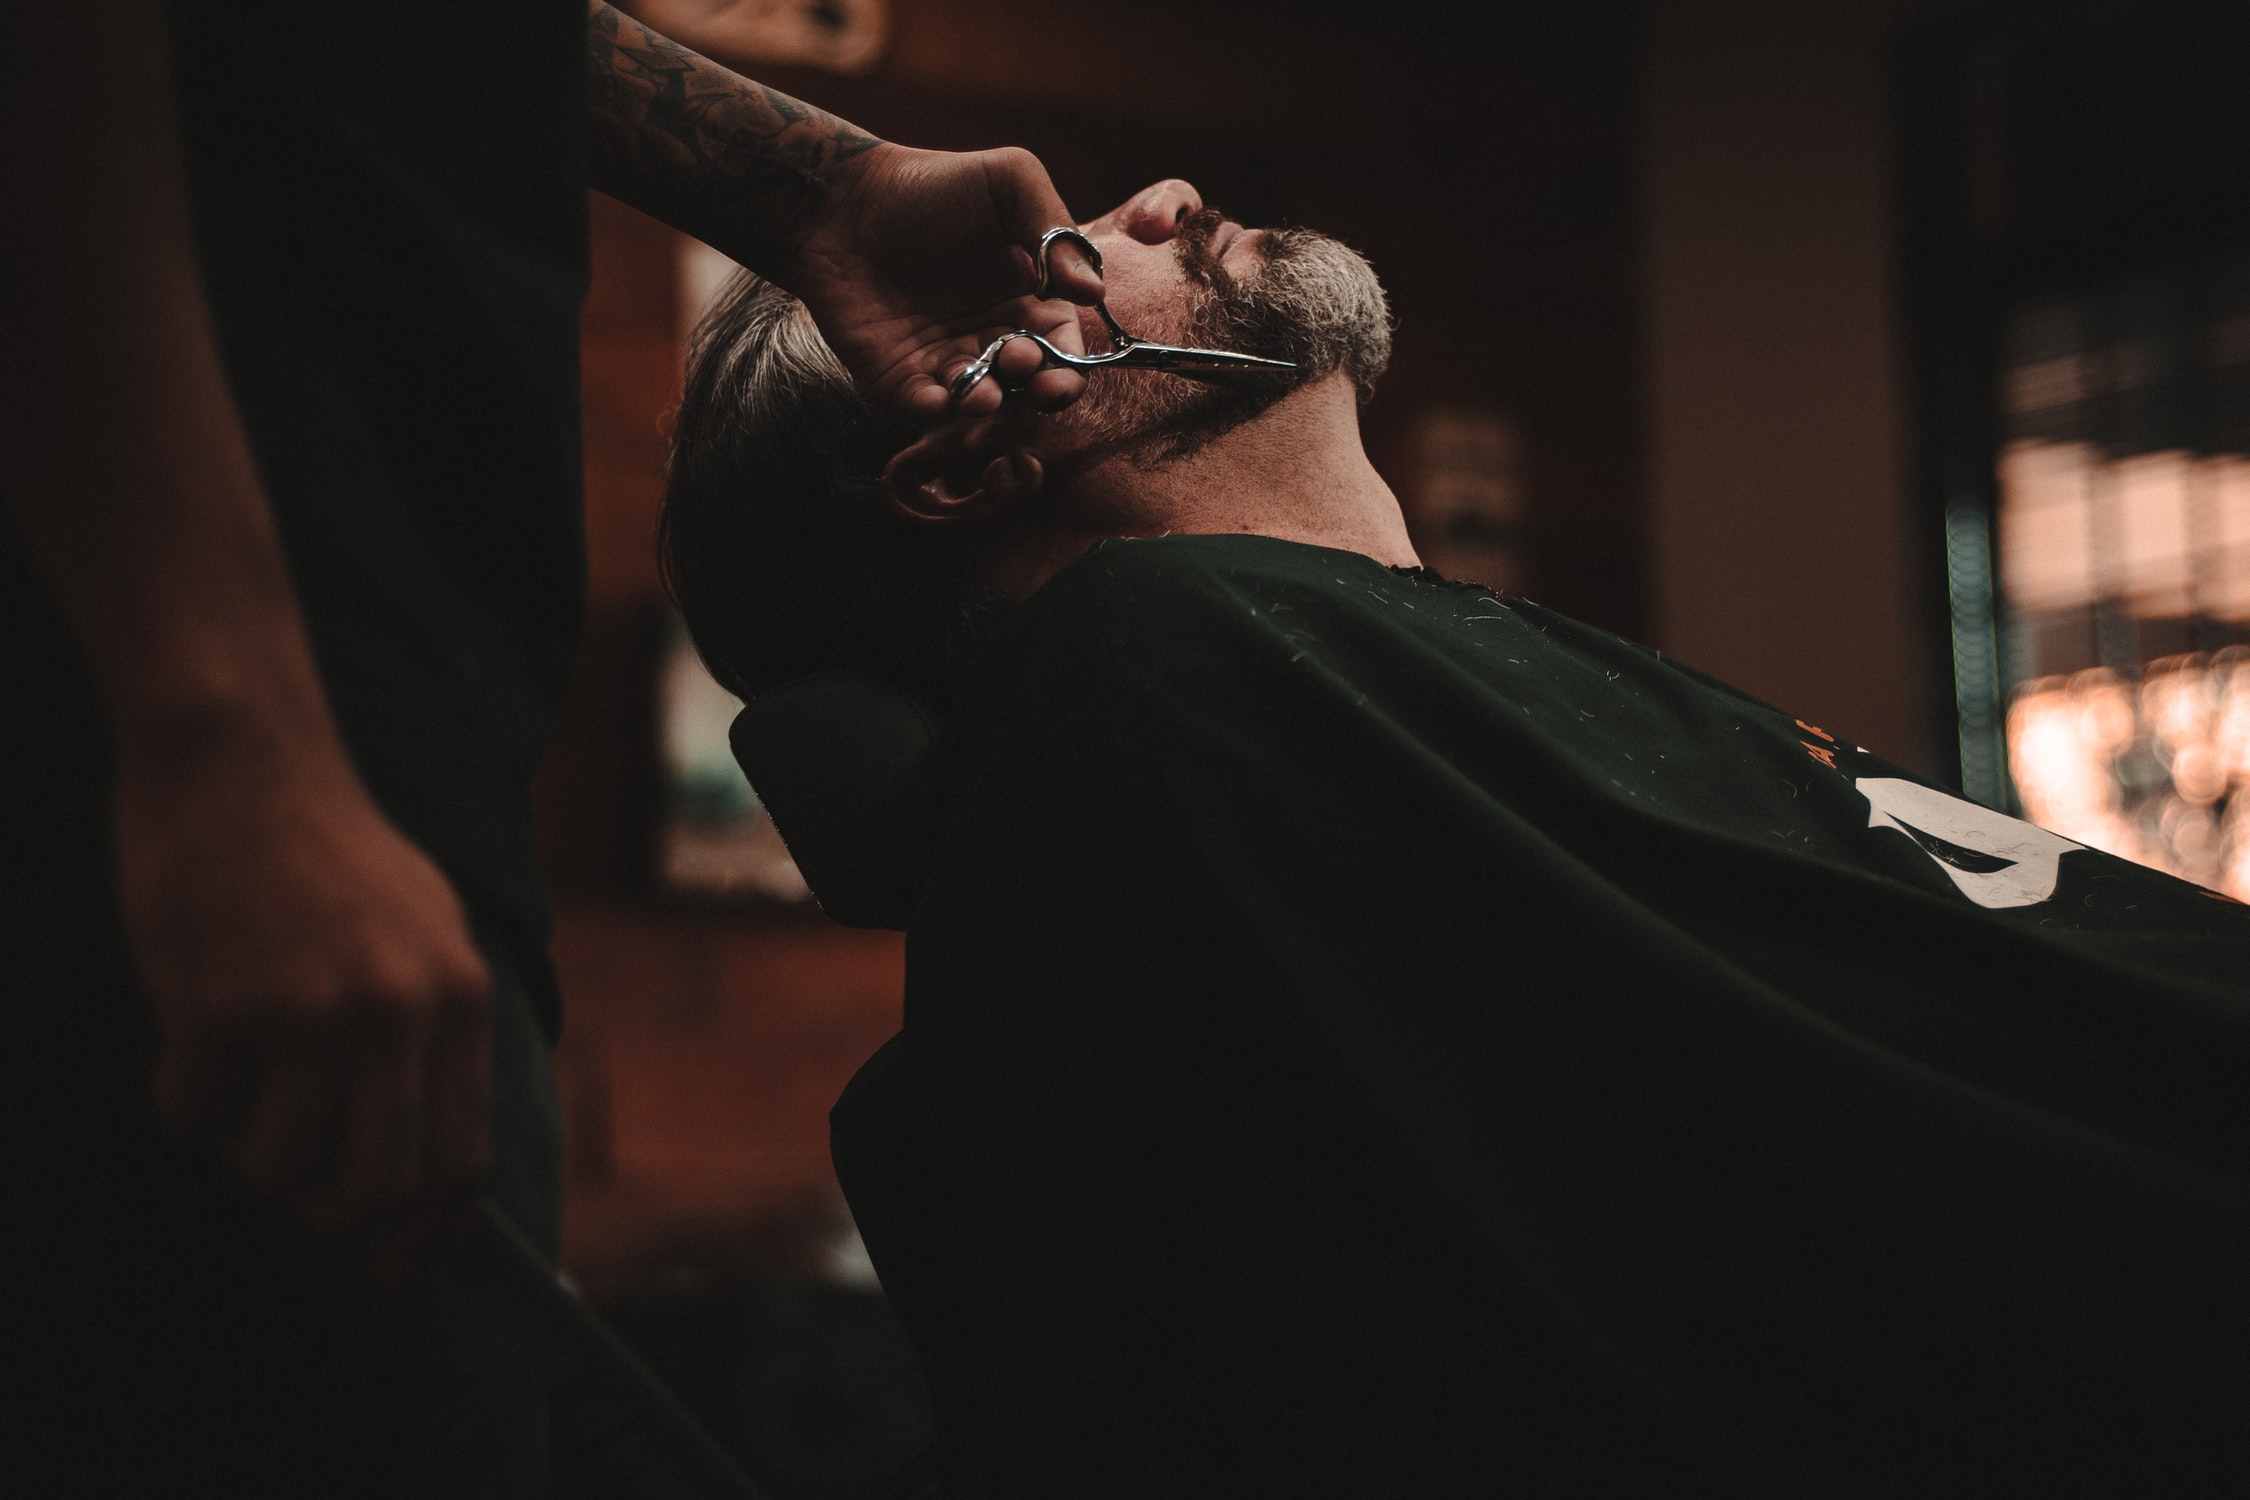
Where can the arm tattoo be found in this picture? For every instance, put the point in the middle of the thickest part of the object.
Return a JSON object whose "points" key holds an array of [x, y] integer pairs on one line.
{"points": [[730, 161]]}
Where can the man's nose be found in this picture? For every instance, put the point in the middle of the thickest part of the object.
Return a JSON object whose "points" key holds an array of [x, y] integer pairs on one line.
{"points": [[1152, 215]]}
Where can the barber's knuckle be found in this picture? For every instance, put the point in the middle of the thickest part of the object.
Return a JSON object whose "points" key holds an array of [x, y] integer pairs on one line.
{"points": [[467, 981], [401, 980]]}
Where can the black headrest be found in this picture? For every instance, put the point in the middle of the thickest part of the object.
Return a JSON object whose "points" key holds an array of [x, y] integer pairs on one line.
{"points": [[844, 764]]}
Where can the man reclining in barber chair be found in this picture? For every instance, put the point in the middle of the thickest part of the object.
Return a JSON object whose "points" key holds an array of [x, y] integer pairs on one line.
{"points": [[1370, 1036]]}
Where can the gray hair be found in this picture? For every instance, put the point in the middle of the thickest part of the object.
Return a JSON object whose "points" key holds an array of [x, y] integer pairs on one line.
{"points": [[775, 542]]}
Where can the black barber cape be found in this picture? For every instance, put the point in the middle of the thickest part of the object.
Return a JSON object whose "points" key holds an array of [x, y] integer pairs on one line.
{"points": [[1365, 1036]]}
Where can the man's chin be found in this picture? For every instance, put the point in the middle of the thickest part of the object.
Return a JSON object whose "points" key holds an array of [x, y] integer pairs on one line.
{"points": [[1315, 302], [1185, 416], [1312, 301]]}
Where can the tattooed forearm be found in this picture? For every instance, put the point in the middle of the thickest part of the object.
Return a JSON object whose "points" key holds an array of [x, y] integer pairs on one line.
{"points": [[730, 161]]}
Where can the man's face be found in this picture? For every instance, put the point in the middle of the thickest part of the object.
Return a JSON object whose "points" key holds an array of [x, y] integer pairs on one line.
{"points": [[1175, 271], [1147, 248]]}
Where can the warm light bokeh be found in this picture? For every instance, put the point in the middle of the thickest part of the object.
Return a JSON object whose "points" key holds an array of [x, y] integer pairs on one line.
{"points": [[2156, 771], [2163, 534]]}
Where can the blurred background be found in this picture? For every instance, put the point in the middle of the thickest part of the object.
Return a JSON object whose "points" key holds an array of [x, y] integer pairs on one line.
{"points": [[1889, 359]]}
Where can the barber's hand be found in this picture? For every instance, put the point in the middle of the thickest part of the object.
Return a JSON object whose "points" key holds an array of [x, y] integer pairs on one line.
{"points": [[920, 258], [326, 1018]]}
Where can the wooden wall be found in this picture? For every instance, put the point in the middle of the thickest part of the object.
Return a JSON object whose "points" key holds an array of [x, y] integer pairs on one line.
{"points": [[1786, 553]]}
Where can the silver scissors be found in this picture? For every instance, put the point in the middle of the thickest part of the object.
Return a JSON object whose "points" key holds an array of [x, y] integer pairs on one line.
{"points": [[1130, 354]]}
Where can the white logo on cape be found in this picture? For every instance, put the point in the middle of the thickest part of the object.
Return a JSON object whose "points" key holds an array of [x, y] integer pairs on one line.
{"points": [[2030, 857]]}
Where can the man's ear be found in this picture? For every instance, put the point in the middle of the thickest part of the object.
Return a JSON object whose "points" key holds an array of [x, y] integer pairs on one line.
{"points": [[962, 474]]}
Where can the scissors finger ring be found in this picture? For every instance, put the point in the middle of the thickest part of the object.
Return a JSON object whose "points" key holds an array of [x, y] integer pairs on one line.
{"points": [[976, 370], [1077, 237]]}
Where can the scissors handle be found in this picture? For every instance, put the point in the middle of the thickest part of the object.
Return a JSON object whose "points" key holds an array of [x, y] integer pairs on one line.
{"points": [[1077, 237]]}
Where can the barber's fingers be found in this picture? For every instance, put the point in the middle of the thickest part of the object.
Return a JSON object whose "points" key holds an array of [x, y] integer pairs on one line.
{"points": [[294, 1130], [456, 1142], [1054, 388], [374, 1113], [1071, 274], [1021, 376], [1018, 360], [1015, 363], [1017, 380], [981, 400], [927, 399], [457, 1148], [206, 1080], [380, 1162], [1030, 207]]}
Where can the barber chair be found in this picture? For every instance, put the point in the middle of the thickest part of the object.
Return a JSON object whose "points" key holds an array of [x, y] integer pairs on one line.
{"points": [[845, 765]]}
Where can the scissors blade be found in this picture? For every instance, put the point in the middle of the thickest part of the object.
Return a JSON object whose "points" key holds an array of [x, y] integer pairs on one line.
{"points": [[1139, 354], [1178, 359]]}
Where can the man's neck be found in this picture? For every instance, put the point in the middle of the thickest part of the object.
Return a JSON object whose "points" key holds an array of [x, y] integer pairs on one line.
{"points": [[1297, 472]]}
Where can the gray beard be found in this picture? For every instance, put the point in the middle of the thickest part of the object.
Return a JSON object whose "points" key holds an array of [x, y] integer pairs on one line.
{"points": [[1313, 300]]}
